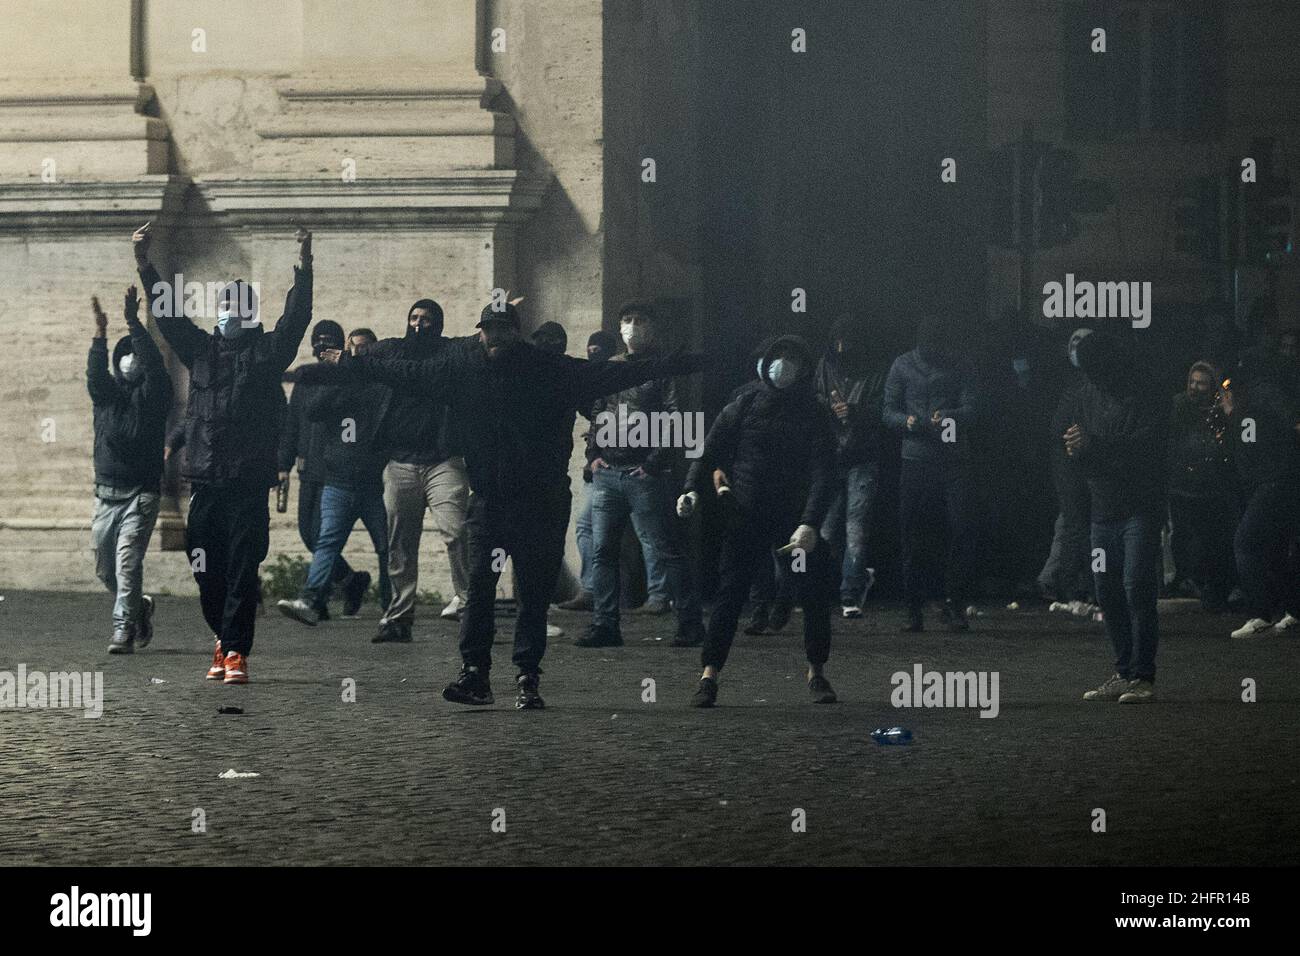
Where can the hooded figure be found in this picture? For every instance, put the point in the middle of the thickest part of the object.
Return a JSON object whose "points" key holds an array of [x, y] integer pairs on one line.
{"points": [[776, 446]]}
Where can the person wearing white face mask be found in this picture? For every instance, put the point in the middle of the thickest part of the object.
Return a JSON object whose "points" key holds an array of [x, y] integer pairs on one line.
{"points": [[233, 419], [131, 405], [630, 482], [774, 448]]}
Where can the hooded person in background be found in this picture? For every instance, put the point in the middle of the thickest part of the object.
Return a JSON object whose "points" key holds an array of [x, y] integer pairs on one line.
{"points": [[514, 409], [424, 471], [930, 398], [852, 387], [631, 482], [233, 419], [550, 337], [601, 346], [130, 415], [775, 446], [1118, 433], [1263, 437], [303, 441]]}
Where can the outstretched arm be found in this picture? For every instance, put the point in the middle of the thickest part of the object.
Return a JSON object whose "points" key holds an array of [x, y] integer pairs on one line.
{"points": [[590, 380], [157, 383], [185, 338], [432, 377], [288, 332]]}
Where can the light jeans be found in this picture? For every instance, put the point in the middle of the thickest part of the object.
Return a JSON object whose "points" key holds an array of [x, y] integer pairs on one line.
{"points": [[119, 534]]}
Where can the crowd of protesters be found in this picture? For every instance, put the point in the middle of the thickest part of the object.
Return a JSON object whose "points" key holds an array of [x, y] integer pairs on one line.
{"points": [[478, 431]]}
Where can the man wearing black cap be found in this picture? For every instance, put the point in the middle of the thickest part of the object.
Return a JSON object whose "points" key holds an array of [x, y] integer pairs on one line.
{"points": [[513, 407], [424, 472], [303, 441], [130, 413]]}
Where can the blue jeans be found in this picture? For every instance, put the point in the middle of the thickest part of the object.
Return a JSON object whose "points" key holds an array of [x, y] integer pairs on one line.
{"points": [[1127, 590], [847, 524], [582, 532], [616, 495], [339, 510]]}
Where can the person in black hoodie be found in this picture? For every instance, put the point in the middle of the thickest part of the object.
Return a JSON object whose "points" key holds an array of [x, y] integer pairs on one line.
{"points": [[1263, 435], [302, 441], [233, 418], [930, 398], [775, 446], [513, 405], [354, 486], [424, 472], [130, 414], [1118, 434], [852, 387]]}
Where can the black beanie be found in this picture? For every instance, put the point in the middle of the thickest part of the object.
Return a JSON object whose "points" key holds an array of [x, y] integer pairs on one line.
{"points": [[508, 313]]}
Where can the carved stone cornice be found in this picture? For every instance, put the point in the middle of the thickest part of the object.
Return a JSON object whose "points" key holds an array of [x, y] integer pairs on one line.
{"points": [[64, 208]]}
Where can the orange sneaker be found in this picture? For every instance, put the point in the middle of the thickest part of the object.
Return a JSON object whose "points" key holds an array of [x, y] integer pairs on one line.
{"points": [[236, 668], [218, 669]]}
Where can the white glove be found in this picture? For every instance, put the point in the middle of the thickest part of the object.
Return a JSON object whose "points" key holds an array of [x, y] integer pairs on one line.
{"points": [[804, 538], [686, 504]]}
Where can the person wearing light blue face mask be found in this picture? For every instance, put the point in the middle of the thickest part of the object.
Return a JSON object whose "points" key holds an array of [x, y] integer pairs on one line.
{"points": [[130, 417], [235, 411]]}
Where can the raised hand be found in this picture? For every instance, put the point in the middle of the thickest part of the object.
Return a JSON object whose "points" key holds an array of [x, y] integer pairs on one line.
{"points": [[303, 236], [101, 320], [131, 306], [140, 240]]}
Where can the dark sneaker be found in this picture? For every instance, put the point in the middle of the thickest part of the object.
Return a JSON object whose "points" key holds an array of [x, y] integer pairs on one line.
{"points": [[689, 635], [758, 621], [915, 623], [471, 687], [706, 694], [527, 697], [821, 690], [145, 634], [954, 616], [322, 613], [780, 615], [299, 610], [655, 607], [122, 642], [1112, 689], [583, 602], [600, 635], [354, 592], [393, 632]]}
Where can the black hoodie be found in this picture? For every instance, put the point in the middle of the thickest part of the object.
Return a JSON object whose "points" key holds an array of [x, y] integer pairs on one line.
{"points": [[1125, 423], [130, 417], [412, 429], [776, 446], [860, 384]]}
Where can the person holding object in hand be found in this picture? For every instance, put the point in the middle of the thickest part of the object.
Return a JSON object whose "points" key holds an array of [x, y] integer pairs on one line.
{"points": [[131, 403], [233, 419], [773, 446]]}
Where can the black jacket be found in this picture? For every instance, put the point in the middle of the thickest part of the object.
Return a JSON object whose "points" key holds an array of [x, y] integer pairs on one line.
{"points": [[777, 447], [348, 416], [918, 387], [1199, 462], [657, 395], [858, 436], [130, 417], [514, 414], [1274, 454], [411, 428], [301, 438], [1124, 458], [236, 399]]}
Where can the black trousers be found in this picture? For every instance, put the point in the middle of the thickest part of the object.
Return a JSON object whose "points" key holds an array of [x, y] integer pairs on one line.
{"points": [[227, 536], [530, 529], [1201, 540], [747, 543], [309, 493], [934, 498]]}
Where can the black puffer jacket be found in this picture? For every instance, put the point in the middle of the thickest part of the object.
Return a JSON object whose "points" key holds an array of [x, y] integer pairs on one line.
{"points": [[412, 429], [658, 395], [348, 416], [514, 414], [130, 417], [236, 399], [777, 448]]}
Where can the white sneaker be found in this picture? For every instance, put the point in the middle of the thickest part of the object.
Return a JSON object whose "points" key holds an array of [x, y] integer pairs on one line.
{"points": [[299, 610], [1288, 621], [452, 611], [553, 632], [851, 611], [1252, 628]]}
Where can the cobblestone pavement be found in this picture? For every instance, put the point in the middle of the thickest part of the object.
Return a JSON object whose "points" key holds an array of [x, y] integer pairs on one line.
{"points": [[401, 777]]}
